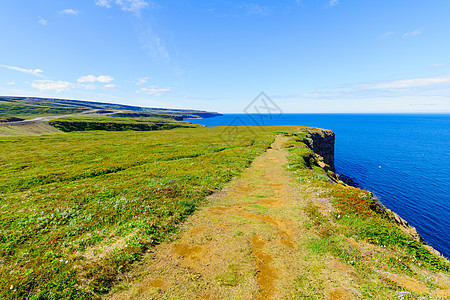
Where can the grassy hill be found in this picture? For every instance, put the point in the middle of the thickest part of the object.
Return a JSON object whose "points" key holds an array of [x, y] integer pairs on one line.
{"points": [[74, 115], [111, 123], [33, 106]]}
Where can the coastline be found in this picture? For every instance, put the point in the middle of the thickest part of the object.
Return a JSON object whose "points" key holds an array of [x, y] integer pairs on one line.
{"points": [[399, 157], [322, 141]]}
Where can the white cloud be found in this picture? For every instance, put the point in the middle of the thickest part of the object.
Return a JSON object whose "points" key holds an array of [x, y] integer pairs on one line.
{"points": [[387, 35], [11, 83], [51, 85], [103, 3], [36, 72], [134, 6], [334, 2], [42, 21], [69, 11], [153, 44], [104, 79], [438, 65], [110, 85], [255, 9], [92, 78], [85, 86], [408, 83], [412, 33], [142, 81], [154, 90]]}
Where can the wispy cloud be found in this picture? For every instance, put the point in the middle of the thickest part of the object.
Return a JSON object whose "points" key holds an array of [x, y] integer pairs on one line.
{"points": [[133, 6], [387, 35], [438, 65], [153, 44], [333, 2], [35, 72], [103, 3], [11, 83], [84, 82], [154, 90], [408, 83], [51, 85], [42, 21], [142, 81], [92, 78], [436, 86], [412, 33], [255, 9], [69, 11]]}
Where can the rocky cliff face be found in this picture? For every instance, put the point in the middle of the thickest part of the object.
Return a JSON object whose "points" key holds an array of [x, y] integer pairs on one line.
{"points": [[322, 143]]}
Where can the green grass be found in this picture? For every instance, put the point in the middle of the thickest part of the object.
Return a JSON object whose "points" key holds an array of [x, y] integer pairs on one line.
{"points": [[13, 109], [64, 199], [90, 123], [145, 115], [355, 215], [27, 129], [77, 210], [126, 120], [32, 107]]}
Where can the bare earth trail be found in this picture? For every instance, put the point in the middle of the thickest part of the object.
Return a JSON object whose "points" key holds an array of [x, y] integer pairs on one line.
{"points": [[247, 243]]}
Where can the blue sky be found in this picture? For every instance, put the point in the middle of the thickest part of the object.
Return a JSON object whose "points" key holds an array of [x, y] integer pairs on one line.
{"points": [[309, 56]]}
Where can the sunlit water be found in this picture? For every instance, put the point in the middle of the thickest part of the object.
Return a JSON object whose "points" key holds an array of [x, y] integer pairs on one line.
{"points": [[403, 159]]}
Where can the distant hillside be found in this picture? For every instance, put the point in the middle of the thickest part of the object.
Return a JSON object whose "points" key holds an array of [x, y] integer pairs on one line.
{"points": [[33, 106]]}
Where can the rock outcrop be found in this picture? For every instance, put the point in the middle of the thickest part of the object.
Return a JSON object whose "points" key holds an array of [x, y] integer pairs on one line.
{"points": [[322, 143]]}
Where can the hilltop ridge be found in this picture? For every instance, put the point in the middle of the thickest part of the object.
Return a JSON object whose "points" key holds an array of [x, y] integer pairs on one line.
{"points": [[19, 106]]}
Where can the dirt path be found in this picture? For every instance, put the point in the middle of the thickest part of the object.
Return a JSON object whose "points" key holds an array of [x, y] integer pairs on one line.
{"points": [[246, 244]]}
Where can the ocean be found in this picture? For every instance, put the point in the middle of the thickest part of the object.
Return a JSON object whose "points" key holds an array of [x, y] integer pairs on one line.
{"points": [[404, 159]]}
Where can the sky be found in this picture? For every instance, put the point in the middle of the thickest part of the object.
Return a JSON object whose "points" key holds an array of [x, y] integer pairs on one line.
{"points": [[308, 56]]}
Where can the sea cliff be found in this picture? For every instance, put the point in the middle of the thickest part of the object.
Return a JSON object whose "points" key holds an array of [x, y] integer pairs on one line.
{"points": [[322, 142]]}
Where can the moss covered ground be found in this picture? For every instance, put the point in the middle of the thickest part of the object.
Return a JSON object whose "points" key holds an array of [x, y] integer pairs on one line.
{"points": [[80, 210], [63, 195]]}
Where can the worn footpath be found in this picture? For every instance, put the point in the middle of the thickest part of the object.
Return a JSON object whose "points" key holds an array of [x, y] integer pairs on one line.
{"points": [[245, 244]]}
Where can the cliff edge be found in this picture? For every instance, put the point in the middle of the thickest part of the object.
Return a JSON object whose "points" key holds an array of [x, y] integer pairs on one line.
{"points": [[322, 143]]}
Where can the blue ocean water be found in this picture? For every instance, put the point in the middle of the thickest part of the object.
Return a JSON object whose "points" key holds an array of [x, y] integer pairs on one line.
{"points": [[403, 159]]}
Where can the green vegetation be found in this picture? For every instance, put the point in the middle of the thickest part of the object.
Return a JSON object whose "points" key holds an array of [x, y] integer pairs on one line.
{"points": [[78, 209], [13, 109], [355, 216], [108, 123], [32, 106], [9, 119], [229, 278], [146, 115], [27, 129]]}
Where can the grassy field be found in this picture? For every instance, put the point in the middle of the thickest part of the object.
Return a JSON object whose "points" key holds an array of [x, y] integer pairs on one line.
{"points": [[78, 209], [111, 123], [355, 222], [13, 109], [32, 107], [27, 129]]}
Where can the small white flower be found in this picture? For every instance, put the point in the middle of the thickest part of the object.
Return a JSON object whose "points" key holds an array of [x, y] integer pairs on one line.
{"points": [[11, 287]]}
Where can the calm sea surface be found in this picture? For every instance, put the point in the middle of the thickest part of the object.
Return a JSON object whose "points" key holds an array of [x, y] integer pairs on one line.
{"points": [[403, 159]]}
